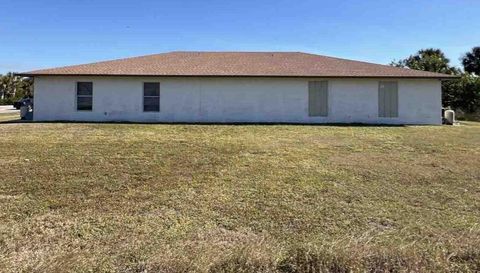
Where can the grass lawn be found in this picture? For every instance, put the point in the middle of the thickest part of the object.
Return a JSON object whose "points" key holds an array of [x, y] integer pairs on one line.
{"points": [[205, 198]]}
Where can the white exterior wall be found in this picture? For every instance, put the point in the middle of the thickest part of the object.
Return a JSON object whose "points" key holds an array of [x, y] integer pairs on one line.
{"points": [[234, 100]]}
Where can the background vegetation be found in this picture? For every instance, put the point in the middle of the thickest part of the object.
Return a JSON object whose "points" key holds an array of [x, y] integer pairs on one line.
{"points": [[13, 88]]}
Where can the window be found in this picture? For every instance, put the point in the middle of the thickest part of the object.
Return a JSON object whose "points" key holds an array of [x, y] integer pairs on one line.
{"points": [[84, 96], [388, 99], [318, 98], [151, 97]]}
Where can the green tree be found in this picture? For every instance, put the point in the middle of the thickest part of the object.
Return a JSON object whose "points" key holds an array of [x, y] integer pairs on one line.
{"points": [[24, 88], [430, 59], [2, 89], [463, 93], [471, 61], [14, 87], [8, 85]]}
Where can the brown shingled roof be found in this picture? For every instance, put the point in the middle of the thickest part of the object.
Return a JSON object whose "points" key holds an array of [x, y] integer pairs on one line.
{"points": [[237, 64]]}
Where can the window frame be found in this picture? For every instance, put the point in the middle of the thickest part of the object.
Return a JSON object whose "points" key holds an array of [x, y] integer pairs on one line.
{"points": [[83, 96], [143, 97]]}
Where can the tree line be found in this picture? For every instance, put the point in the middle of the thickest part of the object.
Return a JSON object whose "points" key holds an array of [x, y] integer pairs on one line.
{"points": [[459, 94], [13, 88]]}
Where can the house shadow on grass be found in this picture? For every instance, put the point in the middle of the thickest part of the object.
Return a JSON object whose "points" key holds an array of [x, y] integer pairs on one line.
{"points": [[210, 123]]}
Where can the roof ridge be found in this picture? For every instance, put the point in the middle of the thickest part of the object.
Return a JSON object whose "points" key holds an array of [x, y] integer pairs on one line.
{"points": [[228, 51]]}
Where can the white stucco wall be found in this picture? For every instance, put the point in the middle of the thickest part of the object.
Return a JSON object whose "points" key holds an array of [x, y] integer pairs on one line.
{"points": [[234, 100]]}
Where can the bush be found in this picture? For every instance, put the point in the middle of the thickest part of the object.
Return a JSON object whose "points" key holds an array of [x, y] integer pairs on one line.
{"points": [[7, 101], [461, 115], [462, 94]]}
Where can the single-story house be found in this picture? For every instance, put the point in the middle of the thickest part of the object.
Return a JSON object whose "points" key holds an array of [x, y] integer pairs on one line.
{"points": [[218, 87]]}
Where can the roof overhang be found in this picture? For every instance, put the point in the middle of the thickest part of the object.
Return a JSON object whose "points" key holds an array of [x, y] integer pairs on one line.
{"points": [[452, 77]]}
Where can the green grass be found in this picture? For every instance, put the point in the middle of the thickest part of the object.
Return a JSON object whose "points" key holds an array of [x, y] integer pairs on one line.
{"points": [[205, 198]]}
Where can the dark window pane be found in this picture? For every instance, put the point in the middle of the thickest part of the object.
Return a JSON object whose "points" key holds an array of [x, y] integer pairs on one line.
{"points": [[151, 104], [84, 88], [84, 103], [151, 89], [151, 108], [151, 100]]}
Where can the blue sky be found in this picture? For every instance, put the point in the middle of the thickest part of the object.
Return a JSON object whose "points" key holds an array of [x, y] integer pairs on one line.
{"points": [[39, 34]]}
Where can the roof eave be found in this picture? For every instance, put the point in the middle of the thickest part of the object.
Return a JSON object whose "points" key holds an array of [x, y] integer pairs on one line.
{"points": [[441, 77]]}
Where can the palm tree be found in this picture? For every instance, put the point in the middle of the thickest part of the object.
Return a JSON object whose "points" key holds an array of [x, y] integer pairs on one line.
{"points": [[11, 86], [2, 87]]}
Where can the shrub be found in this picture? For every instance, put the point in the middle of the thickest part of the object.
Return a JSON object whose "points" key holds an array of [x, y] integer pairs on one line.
{"points": [[7, 101]]}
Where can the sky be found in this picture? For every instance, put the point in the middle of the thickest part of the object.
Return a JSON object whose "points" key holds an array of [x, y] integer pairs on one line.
{"points": [[38, 34]]}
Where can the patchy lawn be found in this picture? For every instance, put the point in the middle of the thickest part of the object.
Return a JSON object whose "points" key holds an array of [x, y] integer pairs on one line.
{"points": [[204, 198]]}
